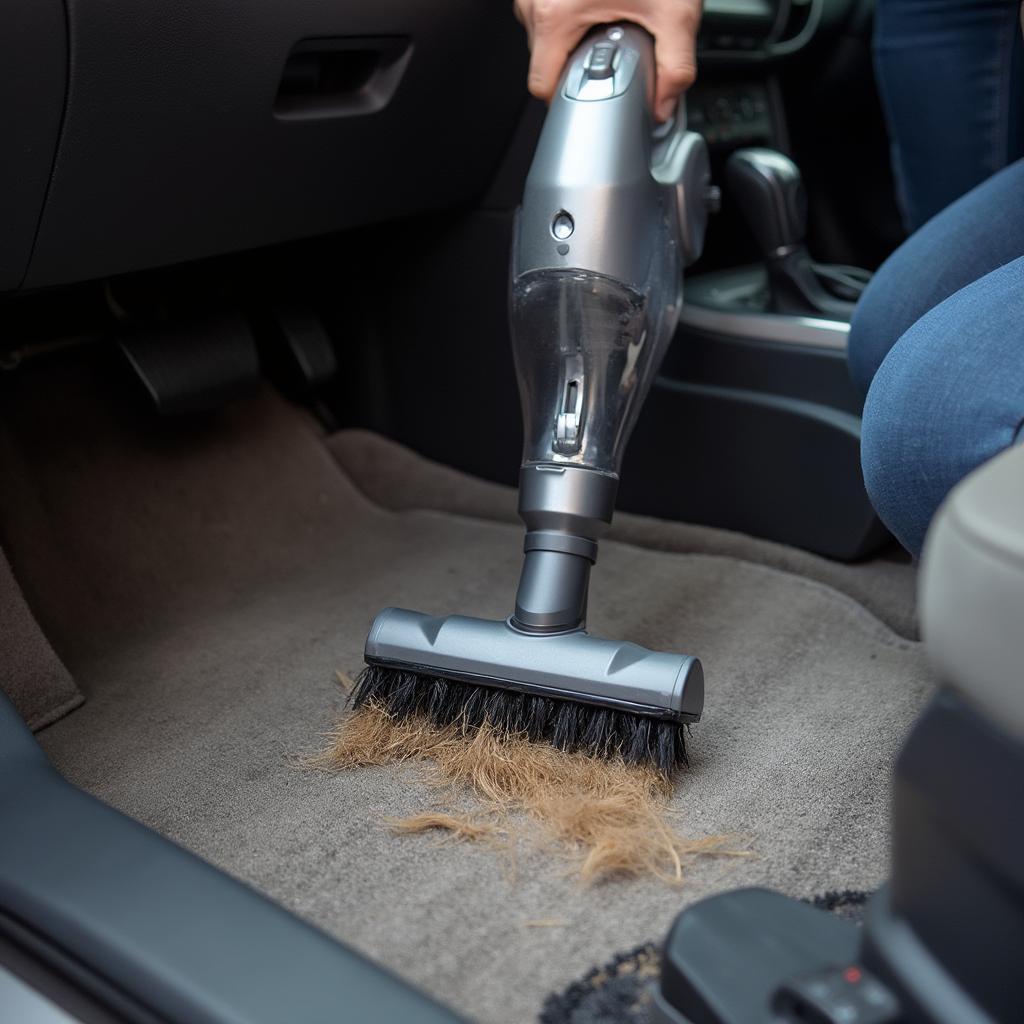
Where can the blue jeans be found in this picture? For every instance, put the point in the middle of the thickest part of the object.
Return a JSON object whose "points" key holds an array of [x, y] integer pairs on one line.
{"points": [[951, 77], [937, 341]]}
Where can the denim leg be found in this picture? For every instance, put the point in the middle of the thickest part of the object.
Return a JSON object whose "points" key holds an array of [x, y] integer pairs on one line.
{"points": [[948, 397], [951, 77], [978, 233]]}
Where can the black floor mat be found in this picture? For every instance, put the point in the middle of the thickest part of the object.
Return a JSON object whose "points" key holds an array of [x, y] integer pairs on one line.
{"points": [[619, 992]]}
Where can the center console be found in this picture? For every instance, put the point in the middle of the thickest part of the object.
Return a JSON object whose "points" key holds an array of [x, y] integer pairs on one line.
{"points": [[757, 383]]}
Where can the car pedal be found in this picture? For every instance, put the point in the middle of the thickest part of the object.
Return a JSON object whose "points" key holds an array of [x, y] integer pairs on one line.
{"points": [[193, 366]]}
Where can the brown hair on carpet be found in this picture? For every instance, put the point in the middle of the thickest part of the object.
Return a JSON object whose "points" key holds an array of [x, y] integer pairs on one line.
{"points": [[611, 815], [460, 828]]}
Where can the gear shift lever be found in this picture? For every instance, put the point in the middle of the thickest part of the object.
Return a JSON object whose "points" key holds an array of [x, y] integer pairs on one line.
{"points": [[768, 188], [770, 191]]}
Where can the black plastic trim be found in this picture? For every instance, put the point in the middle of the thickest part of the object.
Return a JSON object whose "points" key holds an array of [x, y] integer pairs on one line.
{"points": [[178, 144], [33, 82], [171, 933], [726, 956], [773, 466]]}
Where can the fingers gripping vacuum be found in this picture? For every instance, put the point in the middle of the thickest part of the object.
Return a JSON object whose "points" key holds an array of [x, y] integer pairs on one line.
{"points": [[611, 213]]}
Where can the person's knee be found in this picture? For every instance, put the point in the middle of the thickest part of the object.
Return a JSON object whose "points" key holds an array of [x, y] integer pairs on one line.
{"points": [[871, 334], [901, 457], [945, 399], [880, 431]]}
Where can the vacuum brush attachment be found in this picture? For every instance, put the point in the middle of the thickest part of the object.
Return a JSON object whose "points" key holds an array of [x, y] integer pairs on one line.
{"points": [[572, 689], [611, 213]]}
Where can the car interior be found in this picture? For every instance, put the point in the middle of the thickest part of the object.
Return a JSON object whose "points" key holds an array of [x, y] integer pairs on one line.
{"points": [[257, 383]]}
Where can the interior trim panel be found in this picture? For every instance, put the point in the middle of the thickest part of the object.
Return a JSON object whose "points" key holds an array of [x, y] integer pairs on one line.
{"points": [[33, 78], [112, 905], [173, 147]]}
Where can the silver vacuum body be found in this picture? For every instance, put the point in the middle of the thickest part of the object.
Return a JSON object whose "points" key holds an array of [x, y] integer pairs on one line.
{"points": [[613, 210]]}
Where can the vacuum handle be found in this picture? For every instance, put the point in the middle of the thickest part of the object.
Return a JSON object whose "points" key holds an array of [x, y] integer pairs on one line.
{"points": [[611, 61], [604, 63], [588, 198], [612, 211]]}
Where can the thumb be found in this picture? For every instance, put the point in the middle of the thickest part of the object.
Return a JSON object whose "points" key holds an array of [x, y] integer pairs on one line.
{"points": [[676, 59], [550, 51]]}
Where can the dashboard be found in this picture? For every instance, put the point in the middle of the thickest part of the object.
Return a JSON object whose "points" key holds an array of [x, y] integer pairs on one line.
{"points": [[141, 135], [766, 30], [144, 134]]}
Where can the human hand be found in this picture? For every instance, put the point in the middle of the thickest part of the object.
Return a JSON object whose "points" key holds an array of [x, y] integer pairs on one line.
{"points": [[554, 27]]}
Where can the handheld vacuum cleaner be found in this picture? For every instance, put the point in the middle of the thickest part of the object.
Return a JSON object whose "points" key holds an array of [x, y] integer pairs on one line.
{"points": [[613, 209]]}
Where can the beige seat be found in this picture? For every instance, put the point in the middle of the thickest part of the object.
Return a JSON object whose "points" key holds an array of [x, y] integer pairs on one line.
{"points": [[972, 590]]}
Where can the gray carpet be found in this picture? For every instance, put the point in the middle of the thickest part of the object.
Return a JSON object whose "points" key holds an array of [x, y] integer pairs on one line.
{"points": [[31, 674], [203, 582], [397, 478]]}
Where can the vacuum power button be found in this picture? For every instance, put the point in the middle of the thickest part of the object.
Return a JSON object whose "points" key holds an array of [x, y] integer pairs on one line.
{"points": [[601, 61]]}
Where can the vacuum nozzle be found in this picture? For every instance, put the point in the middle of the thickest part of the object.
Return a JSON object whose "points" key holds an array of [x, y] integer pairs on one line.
{"points": [[569, 666]]}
